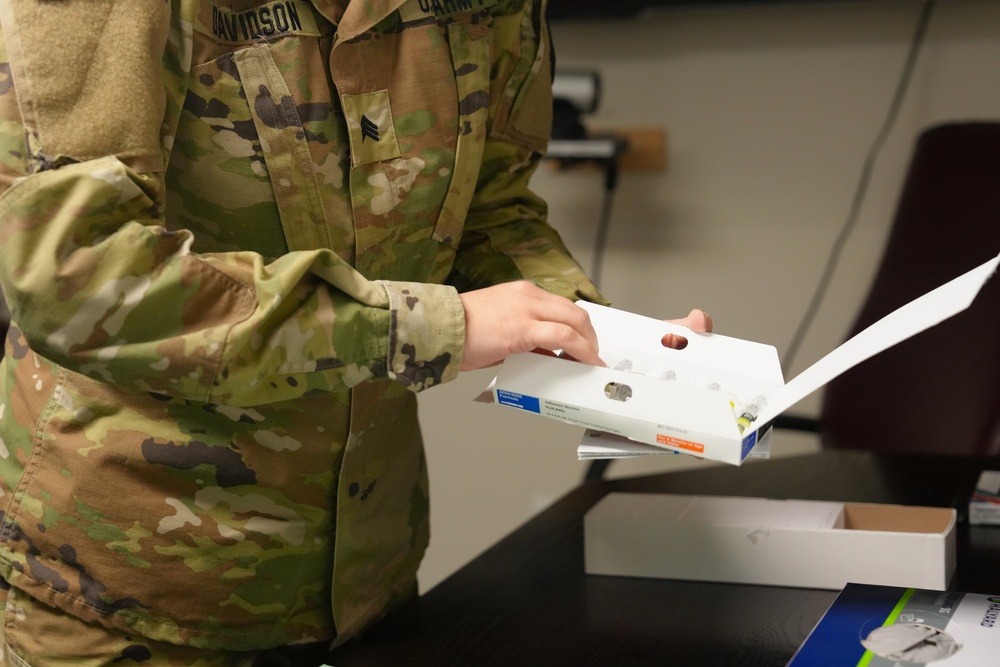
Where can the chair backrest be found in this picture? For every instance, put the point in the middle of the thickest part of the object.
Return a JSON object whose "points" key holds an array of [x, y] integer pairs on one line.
{"points": [[938, 392]]}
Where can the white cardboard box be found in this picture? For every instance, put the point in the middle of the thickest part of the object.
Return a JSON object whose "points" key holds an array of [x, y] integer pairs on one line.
{"points": [[690, 400], [799, 543]]}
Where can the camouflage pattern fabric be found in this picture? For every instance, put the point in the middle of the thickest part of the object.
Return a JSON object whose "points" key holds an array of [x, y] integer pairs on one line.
{"points": [[28, 627], [232, 237]]}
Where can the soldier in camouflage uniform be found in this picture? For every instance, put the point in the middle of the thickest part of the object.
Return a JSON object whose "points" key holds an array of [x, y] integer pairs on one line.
{"points": [[236, 238]]}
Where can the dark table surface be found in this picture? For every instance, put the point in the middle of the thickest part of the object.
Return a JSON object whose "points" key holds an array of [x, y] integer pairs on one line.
{"points": [[527, 600]]}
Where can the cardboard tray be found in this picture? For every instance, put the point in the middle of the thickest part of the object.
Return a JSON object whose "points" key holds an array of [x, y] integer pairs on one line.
{"points": [[799, 543]]}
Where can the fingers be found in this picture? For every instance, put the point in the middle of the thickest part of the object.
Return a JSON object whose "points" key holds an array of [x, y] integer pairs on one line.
{"points": [[700, 321], [556, 323], [697, 320], [674, 341], [521, 317], [577, 340]]}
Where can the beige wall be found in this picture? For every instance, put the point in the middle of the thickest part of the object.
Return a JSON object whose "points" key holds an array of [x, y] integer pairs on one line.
{"points": [[770, 112]]}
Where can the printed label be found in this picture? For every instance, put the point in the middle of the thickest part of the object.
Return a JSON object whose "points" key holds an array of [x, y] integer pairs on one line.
{"points": [[274, 19], [686, 445], [414, 10], [529, 403]]}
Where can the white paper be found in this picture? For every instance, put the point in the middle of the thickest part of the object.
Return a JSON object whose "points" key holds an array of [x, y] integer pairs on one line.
{"points": [[600, 445]]}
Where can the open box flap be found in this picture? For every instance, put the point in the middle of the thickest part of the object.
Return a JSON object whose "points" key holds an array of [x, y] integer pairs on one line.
{"points": [[922, 313]]}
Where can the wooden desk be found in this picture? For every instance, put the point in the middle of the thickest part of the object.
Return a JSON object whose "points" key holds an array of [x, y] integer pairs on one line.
{"points": [[527, 601]]}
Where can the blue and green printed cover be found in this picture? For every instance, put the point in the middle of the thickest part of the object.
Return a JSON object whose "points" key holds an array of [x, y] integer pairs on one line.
{"points": [[886, 626]]}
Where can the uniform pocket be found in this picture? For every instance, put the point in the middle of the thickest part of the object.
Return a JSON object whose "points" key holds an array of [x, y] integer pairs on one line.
{"points": [[285, 149], [218, 184]]}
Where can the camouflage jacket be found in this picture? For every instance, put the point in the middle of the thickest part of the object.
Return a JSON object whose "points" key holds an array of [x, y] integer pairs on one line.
{"points": [[232, 236]]}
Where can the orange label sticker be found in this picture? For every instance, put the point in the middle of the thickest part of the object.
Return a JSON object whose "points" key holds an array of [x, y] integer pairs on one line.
{"points": [[696, 447]]}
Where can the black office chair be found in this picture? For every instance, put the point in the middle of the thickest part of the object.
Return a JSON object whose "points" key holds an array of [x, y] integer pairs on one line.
{"points": [[939, 391]]}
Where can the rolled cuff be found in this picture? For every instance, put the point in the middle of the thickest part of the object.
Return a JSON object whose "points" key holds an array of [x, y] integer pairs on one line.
{"points": [[426, 333]]}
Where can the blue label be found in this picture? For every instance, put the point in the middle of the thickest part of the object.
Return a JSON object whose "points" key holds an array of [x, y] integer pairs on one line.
{"points": [[748, 443], [529, 403]]}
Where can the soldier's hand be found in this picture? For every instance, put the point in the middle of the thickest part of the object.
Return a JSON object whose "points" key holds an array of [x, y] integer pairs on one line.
{"points": [[697, 320], [520, 317]]}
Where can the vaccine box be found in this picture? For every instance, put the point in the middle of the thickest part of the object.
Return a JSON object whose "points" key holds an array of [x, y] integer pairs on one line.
{"points": [[716, 397]]}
